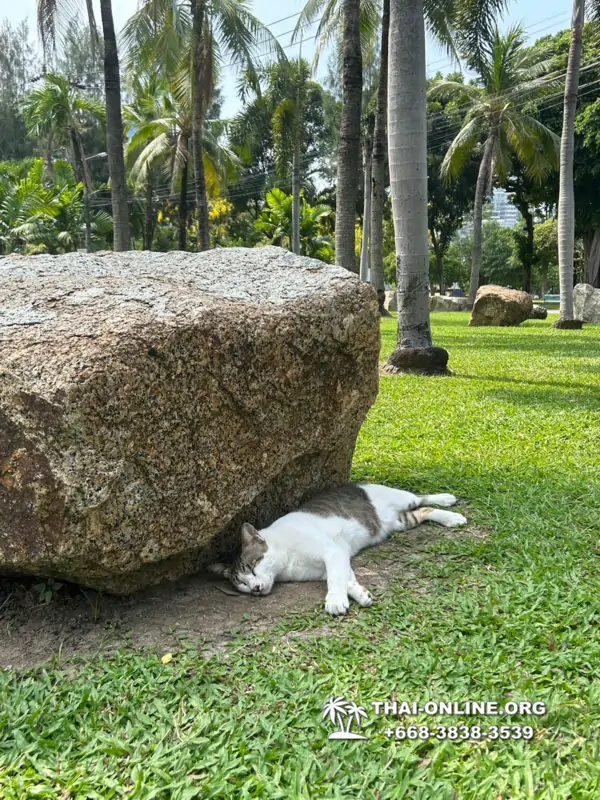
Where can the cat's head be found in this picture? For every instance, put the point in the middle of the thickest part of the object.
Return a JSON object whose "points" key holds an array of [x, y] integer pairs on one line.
{"points": [[249, 572]]}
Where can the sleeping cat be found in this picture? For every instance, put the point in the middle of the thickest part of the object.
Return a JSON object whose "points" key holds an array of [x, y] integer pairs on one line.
{"points": [[317, 541]]}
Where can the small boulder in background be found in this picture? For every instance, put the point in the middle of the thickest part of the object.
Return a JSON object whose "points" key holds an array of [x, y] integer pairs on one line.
{"points": [[586, 303], [439, 302], [538, 312], [391, 301], [495, 305]]}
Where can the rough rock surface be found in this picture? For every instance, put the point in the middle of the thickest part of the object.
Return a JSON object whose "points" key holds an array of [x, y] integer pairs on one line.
{"points": [[495, 305], [538, 312], [150, 402], [439, 302], [586, 303], [391, 301]]}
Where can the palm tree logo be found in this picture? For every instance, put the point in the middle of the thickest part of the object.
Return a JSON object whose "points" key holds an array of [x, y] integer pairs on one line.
{"points": [[336, 708]]}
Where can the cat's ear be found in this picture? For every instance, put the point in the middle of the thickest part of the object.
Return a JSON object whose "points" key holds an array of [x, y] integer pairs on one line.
{"points": [[250, 535], [220, 569]]}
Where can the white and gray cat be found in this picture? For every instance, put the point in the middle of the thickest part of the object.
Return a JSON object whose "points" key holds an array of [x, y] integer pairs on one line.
{"points": [[317, 541]]}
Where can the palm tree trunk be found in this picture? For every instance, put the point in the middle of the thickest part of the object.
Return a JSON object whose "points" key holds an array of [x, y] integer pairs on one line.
{"points": [[183, 205], [366, 233], [296, 196], [149, 227], [529, 254], [114, 131], [482, 182], [407, 141], [544, 282], [82, 174], [198, 11], [349, 150], [439, 258], [378, 166], [566, 195]]}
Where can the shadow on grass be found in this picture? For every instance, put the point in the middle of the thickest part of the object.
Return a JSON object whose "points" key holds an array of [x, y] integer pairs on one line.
{"points": [[542, 385]]}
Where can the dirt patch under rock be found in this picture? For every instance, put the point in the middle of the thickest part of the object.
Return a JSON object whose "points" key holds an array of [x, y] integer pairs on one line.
{"points": [[200, 609]]}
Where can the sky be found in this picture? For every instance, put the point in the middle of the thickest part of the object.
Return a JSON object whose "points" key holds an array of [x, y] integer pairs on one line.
{"points": [[540, 17]]}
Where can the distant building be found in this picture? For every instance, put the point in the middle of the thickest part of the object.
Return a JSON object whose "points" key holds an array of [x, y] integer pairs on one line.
{"points": [[504, 212]]}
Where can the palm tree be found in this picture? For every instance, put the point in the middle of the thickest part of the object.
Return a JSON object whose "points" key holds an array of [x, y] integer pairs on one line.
{"points": [[566, 197], [161, 126], [378, 165], [510, 75], [280, 99], [349, 150], [57, 112], [366, 231], [275, 222], [164, 34], [354, 24], [407, 143], [48, 12]]}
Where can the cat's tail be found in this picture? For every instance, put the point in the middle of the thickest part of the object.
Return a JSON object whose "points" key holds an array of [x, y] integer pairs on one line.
{"points": [[444, 500]]}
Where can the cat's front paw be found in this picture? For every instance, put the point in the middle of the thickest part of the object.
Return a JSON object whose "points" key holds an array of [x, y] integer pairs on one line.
{"points": [[336, 604], [445, 500]]}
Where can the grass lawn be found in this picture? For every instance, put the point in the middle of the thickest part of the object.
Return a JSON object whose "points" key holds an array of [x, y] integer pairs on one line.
{"points": [[511, 616]]}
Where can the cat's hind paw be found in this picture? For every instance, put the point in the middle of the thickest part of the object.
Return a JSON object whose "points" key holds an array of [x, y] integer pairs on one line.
{"points": [[336, 604], [360, 595], [449, 519], [365, 599]]}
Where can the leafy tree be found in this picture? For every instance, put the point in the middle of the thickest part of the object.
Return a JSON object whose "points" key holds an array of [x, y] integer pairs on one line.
{"points": [[546, 255], [41, 216], [587, 152], [48, 13], [18, 66], [509, 74], [57, 112], [197, 35], [282, 115], [258, 134], [275, 222], [447, 203], [161, 122], [499, 261]]}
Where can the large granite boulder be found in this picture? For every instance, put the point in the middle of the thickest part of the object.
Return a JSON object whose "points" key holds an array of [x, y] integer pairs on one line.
{"points": [[438, 302], [586, 303], [150, 403], [495, 305]]}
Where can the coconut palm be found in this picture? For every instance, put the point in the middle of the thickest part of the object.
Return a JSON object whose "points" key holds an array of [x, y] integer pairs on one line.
{"points": [[407, 144], [510, 75], [566, 196], [354, 23], [280, 100], [161, 126], [49, 15], [167, 34], [58, 112], [378, 164], [275, 222]]}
